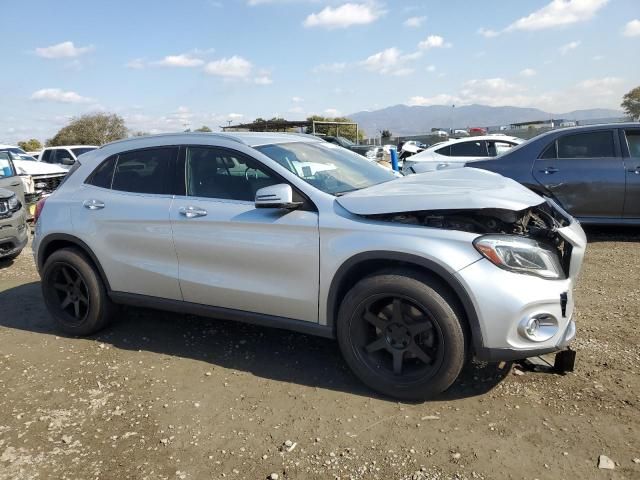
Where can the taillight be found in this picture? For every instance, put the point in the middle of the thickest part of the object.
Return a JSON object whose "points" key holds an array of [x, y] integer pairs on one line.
{"points": [[39, 207]]}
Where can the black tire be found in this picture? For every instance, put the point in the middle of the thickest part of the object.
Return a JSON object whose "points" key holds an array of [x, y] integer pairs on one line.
{"points": [[426, 337], [74, 293]]}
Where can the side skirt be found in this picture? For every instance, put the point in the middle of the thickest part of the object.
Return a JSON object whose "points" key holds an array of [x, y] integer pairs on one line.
{"points": [[221, 313]]}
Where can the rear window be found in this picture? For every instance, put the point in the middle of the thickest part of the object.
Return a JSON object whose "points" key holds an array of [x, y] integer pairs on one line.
{"points": [[79, 151]]}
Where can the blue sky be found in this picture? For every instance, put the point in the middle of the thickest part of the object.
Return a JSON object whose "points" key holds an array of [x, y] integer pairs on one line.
{"points": [[164, 65]]}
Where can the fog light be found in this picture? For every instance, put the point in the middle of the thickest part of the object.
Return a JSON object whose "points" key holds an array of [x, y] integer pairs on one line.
{"points": [[539, 328]]}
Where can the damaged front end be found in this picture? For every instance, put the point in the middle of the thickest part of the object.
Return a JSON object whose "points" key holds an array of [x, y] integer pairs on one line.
{"points": [[541, 223]]}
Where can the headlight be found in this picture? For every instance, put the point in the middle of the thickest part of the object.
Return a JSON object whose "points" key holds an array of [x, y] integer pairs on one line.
{"points": [[520, 255], [14, 203]]}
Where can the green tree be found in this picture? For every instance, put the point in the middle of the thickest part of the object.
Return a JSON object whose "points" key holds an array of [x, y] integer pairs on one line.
{"points": [[346, 131], [31, 145], [91, 129], [203, 128], [631, 103], [385, 133]]}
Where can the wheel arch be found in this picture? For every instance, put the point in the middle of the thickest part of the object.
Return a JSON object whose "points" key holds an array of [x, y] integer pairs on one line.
{"points": [[364, 264], [57, 241]]}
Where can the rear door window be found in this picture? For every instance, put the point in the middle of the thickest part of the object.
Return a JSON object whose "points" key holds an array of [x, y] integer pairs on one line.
{"points": [[46, 156], [446, 151], [145, 171], [587, 145], [633, 142], [103, 175], [477, 148]]}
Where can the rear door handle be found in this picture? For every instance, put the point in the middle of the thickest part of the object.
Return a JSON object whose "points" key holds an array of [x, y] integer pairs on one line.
{"points": [[636, 171], [549, 170], [93, 204], [192, 212]]}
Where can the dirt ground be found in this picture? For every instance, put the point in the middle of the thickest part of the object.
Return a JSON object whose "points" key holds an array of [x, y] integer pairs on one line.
{"points": [[173, 397]]}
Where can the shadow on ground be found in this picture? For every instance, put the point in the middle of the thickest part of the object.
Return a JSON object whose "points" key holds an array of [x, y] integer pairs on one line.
{"points": [[266, 352], [612, 234]]}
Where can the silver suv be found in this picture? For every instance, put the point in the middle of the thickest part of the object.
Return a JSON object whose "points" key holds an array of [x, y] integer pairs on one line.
{"points": [[412, 275]]}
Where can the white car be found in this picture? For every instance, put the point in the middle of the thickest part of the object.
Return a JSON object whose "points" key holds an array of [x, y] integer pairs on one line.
{"points": [[38, 179], [458, 152], [65, 155]]}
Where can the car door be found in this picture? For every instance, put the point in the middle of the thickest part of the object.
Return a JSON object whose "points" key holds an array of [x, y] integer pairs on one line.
{"points": [[584, 172], [630, 140], [8, 176], [122, 213], [236, 256]]}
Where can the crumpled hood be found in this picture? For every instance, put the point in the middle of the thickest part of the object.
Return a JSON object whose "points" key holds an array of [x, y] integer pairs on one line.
{"points": [[27, 167], [460, 188]]}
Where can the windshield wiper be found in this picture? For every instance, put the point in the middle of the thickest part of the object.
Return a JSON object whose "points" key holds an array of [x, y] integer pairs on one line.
{"points": [[339, 194]]}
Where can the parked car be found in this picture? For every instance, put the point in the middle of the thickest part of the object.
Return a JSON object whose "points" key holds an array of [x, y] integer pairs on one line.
{"points": [[592, 171], [38, 179], [13, 228], [64, 156], [457, 153], [349, 145], [477, 131], [412, 275]]}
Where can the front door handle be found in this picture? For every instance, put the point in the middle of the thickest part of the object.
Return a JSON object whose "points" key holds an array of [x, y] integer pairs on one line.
{"points": [[636, 171], [549, 170], [93, 204], [15, 184], [192, 212]]}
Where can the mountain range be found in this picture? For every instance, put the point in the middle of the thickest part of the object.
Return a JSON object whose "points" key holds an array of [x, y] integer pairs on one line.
{"points": [[413, 120]]}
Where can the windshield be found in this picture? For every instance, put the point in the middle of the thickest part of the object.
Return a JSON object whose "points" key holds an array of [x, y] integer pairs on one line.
{"points": [[327, 167], [18, 154], [79, 151]]}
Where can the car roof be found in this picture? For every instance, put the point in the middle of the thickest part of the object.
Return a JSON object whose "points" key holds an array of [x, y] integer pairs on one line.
{"points": [[250, 139], [74, 146]]}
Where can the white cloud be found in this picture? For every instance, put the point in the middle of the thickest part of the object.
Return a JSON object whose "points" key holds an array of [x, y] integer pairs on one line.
{"points": [[332, 112], [63, 50], [430, 68], [235, 116], [336, 67], [414, 22], [58, 95], [566, 48], [558, 13], [433, 41], [528, 72], [632, 29], [296, 109], [488, 33], [136, 64], [234, 67], [343, 16], [297, 99], [591, 93], [390, 61], [184, 60], [263, 80]]}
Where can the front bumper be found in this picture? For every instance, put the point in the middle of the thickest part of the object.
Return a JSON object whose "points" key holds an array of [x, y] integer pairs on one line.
{"points": [[504, 302], [13, 234]]}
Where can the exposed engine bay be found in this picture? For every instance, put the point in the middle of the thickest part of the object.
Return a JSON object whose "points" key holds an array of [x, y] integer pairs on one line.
{"points": [[540, 223]]}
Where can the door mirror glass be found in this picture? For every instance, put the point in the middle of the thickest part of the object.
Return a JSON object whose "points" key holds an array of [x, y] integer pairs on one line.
{"points": [[276, 196], [67, 161]]}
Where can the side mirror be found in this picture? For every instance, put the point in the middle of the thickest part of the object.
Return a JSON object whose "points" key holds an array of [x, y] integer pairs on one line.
{"points": [[68, 161], [276, 196]]}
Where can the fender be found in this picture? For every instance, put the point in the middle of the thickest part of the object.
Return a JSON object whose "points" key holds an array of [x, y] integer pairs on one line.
{"points": [[423, 263], [76, 242]]}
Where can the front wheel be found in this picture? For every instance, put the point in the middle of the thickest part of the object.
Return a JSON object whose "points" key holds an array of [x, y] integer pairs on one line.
{"points": [[401, 334], [74, 293]]}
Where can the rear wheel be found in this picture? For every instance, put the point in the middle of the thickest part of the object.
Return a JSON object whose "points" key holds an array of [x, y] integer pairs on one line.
{"points": [[74, 293], [401, 334]]}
